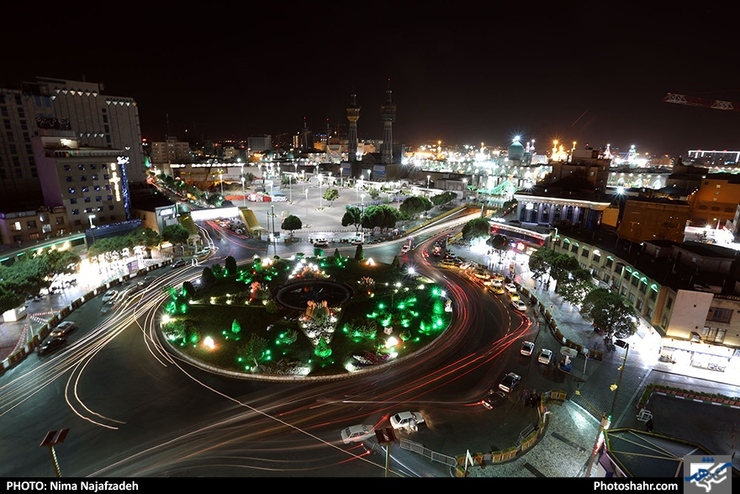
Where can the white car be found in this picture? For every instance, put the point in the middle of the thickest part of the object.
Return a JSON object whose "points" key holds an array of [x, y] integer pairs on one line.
{"points": [[519, 305], [110, 295], [405, 248], [321, 242], [545, 356], [357, 433], [527, 348], [407, 420], [511, 287]]}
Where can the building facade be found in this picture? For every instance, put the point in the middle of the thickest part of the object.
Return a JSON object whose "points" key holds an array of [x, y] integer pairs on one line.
{"points": [[95, 119]]}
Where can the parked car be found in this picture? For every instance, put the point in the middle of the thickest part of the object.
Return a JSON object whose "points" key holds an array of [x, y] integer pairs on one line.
{"points": [[510, 287], [357, 433], [321, 242], [545, 356], [519, 305], [494, 399], [498, 283], [514, 296], [51, 344], [509, 382], [179, 263], [407, 420], [527, 348], [405, 248], [63, 329]]}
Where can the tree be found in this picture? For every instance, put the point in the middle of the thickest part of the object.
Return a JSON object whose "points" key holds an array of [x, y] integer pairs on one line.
{"points": [[331, 195], [358, 253], [476, 228], [576, 286], [291, 223], [146, 237], [208, 277], [610, 313], [230, 266], [443, 198], [414, 205], [382, 216], [188, 289], [177, 234], [499, 243], [352, 216], [253, 350], [561, 268], [540, 262]]}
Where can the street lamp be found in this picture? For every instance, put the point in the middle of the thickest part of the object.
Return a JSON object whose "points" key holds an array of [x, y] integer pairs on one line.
{"points": [[221, 178], [320, 203], [91, 217], [244, 197], [428, 177], [363, 203], [306, 191], [615, 387], [368, 175]]}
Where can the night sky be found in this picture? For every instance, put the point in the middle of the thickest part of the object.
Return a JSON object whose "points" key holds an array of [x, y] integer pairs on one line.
{"points": [[596, 73]]}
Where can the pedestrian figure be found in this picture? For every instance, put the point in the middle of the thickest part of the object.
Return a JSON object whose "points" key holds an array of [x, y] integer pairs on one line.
{"points": [[649, 425]]}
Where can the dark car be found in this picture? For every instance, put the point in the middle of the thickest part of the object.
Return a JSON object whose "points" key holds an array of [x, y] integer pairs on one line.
{"points": [[51, 344], [494, 400], [179, 263], [509, 382], [63, 329]]}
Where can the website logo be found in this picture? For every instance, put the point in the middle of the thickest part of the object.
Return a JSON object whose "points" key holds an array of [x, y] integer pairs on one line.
{"points": [[707, 474]]}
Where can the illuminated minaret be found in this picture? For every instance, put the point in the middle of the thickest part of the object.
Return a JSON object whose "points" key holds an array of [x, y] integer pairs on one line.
{"points": [[387, 115], [353, 115]]}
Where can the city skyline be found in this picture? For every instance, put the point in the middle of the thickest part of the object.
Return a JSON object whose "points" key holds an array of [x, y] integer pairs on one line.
{"points": [[587, 75]]}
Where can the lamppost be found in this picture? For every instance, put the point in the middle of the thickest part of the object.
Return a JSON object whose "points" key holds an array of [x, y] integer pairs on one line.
{"points": [[363, 203], [320, 202], [92, 226], [615, 387], [306, 191], [221, 178], [428, 177], [290, 188], [368, 175], [244, 197]]}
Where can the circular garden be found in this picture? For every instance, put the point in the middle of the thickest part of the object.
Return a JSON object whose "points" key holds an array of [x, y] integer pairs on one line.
{"points": [[304, 316]]}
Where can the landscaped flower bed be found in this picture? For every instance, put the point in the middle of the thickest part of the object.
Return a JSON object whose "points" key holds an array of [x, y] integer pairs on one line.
{"points": [[305, 316]]}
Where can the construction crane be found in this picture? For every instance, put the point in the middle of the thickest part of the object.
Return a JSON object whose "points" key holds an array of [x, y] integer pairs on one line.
{"points": [[716, 104]]}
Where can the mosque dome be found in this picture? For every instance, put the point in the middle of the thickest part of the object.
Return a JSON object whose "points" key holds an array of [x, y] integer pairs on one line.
{"points": [[516, 150]]}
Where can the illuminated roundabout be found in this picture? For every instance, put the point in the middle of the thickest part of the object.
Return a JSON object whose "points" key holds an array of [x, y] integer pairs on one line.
{"points": [[287, 319]]}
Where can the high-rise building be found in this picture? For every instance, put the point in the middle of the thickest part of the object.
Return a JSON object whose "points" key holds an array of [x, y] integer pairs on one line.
{"points": [[94, 120]]}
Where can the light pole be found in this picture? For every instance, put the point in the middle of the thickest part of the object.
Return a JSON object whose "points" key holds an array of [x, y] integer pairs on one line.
{"points": [[244, 197], [626, 346], [363, 203], [428, 177], [290, 188], [92, 226], [320, 203], [221, 178], [368, 175], [306, 191]]}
